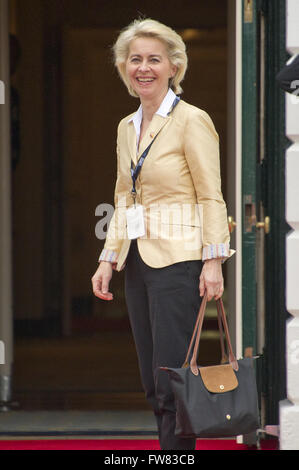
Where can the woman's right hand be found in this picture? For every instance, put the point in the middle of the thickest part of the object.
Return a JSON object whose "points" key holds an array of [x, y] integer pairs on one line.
{"points": [[101, 279]]}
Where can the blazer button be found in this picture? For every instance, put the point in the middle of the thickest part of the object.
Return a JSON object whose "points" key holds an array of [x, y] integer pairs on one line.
{"points": [[152, 135]]}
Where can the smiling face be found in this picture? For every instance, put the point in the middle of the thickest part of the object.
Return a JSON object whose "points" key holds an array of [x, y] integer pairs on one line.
{"points": [[148, 68]]}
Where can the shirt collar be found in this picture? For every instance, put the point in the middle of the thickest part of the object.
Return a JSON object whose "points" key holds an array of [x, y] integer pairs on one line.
{"points": [[166, 104], [163, 110]]}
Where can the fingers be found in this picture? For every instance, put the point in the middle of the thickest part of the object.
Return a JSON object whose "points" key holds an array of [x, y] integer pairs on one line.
{"points": [[202, 286], [107, 296], [211, 288], [101, 289], [211, 282], [100, 282], [219, 294], [104, 291], [213, 293]]}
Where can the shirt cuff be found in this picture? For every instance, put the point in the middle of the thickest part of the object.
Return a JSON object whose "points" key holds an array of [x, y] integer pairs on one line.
{"points": [[219, 250], [108, 255]]}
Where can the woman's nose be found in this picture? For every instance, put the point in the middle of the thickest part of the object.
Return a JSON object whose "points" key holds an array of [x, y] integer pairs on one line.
{"points": [[144, 66]]}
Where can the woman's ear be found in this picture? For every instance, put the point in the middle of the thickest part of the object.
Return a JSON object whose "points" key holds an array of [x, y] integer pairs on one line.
{"points": [[173, 71]]}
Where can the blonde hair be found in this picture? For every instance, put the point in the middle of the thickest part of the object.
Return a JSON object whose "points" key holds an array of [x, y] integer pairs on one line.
{"points": [[175, 47]]}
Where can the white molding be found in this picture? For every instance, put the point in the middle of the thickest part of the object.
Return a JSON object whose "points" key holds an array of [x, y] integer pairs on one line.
{"points": [[289, 425], [292, 186], [289, 409], [292, 29], [292, 330], [292, 116], [292, 262]]}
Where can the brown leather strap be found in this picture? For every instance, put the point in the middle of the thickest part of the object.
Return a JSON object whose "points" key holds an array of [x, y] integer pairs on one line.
{"points": [[224, 358], [199, 320], [231, 355], [197, 333]]}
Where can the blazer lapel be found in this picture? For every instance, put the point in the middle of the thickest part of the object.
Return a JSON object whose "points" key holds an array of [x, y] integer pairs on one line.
{"points": [[158, 122], [156, 125], [132, 142]]}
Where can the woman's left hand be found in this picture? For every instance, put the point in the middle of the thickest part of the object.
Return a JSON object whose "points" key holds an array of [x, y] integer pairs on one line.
{"points": [[211, 279]]}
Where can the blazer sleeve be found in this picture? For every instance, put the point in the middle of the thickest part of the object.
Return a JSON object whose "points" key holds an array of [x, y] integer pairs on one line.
{"points": [[201, 144], [117, 226]]}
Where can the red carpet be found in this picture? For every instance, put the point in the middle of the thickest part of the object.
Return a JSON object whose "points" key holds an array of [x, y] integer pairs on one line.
{"points": [[120, 444]]}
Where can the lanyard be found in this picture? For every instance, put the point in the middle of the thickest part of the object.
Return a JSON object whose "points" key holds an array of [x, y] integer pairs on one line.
{"points": [[135, 171]]}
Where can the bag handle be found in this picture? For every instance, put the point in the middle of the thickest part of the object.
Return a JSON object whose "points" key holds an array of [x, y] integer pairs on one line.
{"points": [[231, 356], [197, 333], [224, 357], [200, 318]]}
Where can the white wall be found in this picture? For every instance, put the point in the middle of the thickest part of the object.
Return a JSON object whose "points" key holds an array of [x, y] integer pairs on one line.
{"points": [[289, 408]]}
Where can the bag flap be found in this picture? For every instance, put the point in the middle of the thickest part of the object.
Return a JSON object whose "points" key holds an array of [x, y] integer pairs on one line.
{"points": [[219, 379]]}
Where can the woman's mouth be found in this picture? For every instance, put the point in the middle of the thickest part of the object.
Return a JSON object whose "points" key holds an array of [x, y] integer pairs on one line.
{"points": [[144, 80]]}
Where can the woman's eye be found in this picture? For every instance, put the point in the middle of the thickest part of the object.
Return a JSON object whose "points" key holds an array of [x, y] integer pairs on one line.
{"points": [[136, 60]]}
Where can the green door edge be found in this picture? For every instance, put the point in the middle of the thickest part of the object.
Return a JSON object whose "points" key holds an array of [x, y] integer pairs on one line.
{"points": [[249, 159], [268, 183]]}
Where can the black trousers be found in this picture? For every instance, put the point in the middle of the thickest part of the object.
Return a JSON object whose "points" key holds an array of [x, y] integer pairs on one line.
{"points": [[163, 304]]}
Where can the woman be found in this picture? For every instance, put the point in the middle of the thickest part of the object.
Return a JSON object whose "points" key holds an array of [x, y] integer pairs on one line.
{"points": [[169, 228]]}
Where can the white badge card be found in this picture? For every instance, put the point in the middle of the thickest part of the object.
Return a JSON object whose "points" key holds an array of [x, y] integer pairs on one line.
{"points": [[135, 222]]}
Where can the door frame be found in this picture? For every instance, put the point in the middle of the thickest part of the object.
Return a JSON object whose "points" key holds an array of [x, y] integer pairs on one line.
{"points": [[273, 175], [256, 324], [234, 172]]}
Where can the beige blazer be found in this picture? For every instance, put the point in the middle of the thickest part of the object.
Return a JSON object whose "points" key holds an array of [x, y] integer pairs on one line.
{"points": [[179, 188]]}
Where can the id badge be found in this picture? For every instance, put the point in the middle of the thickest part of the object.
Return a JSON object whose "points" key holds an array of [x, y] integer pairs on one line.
{"points": [[135, 222]]}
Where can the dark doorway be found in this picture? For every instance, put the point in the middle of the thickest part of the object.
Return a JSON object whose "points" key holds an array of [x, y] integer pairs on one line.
{"points": [[71, 349]]}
